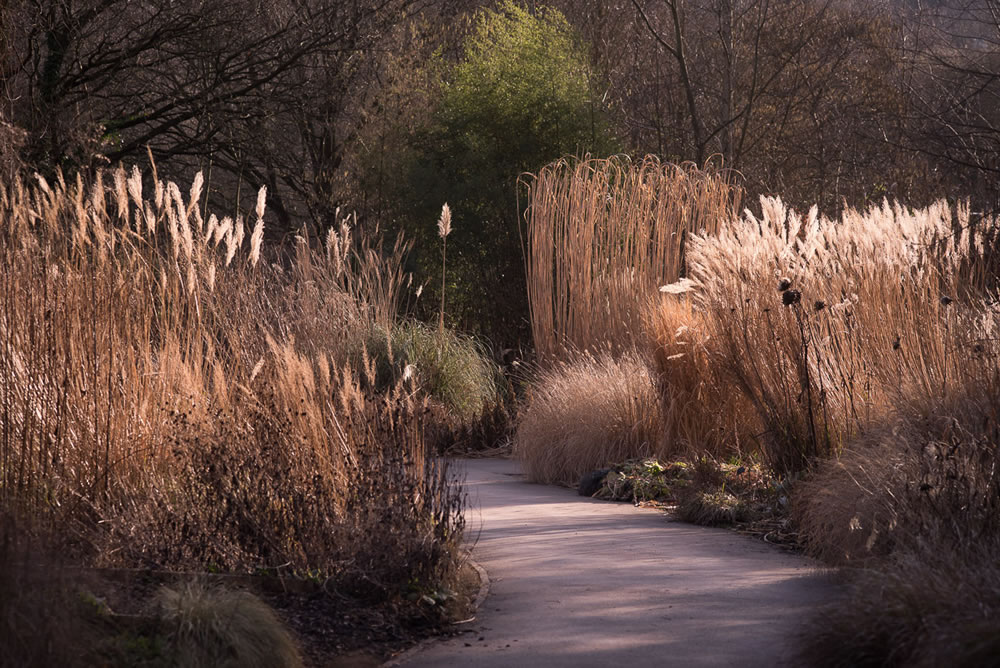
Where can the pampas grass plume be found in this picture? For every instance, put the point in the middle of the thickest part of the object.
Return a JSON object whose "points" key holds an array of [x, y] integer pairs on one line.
{"points": [[255, 241], [261, 198], [444, 222]]}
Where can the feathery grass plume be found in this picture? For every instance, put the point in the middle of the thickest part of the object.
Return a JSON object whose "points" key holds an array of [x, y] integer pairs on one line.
{"points": [[121, 192], [223, 230], [345, 236], [213, 224], [444, 229], [234, 239], [444, 222], [239, 231], [174, 229], [194, 195], [97, 196], [150, 217], [602, 236], [331, 247], [180, 216], [261, 199], [256, 239], [43, 183], [158, 192], [135, 186]]}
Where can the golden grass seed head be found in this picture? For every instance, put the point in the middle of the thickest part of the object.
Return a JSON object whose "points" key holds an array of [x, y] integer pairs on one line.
{"points": [[444, 222], [261, 199]]}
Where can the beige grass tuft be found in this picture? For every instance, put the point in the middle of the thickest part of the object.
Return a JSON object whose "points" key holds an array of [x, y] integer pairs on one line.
{"points": [[585, 414]]}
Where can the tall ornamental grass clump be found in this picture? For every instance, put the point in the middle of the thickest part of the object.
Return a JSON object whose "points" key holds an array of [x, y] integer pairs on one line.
{"points": [[171, 398], [820, 324], [699, 411], [927, 475], [602, 236], [867, 349]]}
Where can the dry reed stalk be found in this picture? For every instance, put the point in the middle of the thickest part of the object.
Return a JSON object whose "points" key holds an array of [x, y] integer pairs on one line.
{"points": [[602, 236]]}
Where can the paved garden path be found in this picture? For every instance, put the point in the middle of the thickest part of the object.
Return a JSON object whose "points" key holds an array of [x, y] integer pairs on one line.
{"points": [[577, 582]]}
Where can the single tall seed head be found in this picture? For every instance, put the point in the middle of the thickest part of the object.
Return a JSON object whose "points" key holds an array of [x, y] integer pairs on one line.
{"points": [[444, 222]]}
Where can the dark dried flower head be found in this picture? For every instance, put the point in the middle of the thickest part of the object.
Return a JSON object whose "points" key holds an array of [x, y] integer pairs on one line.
{"points": [[945, 300], [819, 305], [791, 297], [896, 344], [784, 284]]}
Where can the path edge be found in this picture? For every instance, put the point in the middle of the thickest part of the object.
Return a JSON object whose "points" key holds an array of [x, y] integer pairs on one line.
{"points": [[484, 591]]}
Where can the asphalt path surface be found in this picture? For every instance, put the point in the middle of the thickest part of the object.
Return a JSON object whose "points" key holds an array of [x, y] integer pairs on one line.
{"points": [[579, 582]]}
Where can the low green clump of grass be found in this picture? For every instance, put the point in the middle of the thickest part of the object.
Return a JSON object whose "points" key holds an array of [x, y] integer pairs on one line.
{"points": [[212, 626], [453, 369], [644, 480]]}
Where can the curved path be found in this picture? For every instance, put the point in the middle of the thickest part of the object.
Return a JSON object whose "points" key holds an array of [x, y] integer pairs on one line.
{"points": [[577, 582]]}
